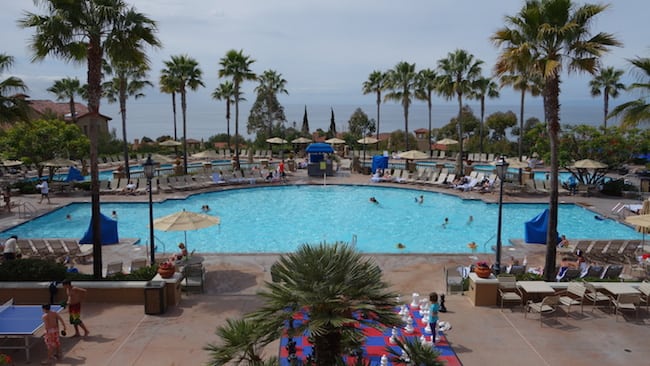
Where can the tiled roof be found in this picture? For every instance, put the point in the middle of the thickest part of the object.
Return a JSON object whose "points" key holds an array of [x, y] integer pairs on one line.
{"points": [[60, 108]]}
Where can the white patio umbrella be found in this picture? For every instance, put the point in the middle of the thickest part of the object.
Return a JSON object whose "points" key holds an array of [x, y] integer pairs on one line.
{"points": [[184, 221], [588, 164], [367, 140], [301, 140], [170, 143], [413, 155], [447, 141], [276, 140], [335, 141], [207, 154], [11, 163]]}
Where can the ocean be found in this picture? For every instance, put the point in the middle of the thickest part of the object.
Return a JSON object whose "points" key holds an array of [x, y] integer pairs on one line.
{"points": [[152, 117]]}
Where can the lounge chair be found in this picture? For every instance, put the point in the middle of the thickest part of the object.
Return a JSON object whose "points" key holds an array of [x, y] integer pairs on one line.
{"points": [[508, 290], [613, 271], [42, 249], [593, 271], [627, 302], [517, 270], [137, 263], [59, 251], [454, 279], [25, 248], [76, 252], [594, 296], [644, 289], [548, 305], [573, 295], [113, 268], [568, 274]]}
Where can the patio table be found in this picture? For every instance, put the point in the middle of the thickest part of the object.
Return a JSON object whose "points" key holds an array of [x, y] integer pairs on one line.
{"points": [[617, 288], [535, 290]]}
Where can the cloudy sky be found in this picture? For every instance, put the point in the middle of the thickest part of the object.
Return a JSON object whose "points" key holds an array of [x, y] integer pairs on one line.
{"points": [[325, 49]]}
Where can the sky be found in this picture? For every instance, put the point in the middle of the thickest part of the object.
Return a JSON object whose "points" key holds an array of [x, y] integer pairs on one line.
{"points": [[324, 49]]}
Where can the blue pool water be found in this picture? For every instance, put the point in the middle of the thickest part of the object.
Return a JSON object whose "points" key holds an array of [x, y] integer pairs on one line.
{"points": [[279, 219]]}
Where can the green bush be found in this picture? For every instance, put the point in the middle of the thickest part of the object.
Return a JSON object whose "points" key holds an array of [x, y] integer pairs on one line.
{"points": [[26, 187], [31, 269], [84, 186], [616, 187]]}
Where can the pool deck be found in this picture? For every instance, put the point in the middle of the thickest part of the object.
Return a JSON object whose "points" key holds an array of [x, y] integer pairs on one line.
{"points": [[124, 335]]}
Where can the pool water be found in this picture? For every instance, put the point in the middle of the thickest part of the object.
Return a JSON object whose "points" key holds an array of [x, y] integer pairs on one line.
{"points": [[279, 219]]}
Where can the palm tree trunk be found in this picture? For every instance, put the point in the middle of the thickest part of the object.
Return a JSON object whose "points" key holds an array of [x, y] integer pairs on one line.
{"points": [[228, 121], [552, 115], [174, 114], [184, 111], [236, 126], [123, 113], [406, 125], [521, 124], [459, 128], [429, 134], [73, 112], [606, 108], [481, 126], [94, 77], [328, 349], [378, 108]]}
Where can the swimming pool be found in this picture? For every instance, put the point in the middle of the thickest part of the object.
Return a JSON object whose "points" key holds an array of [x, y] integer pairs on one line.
{"points": [[279, 219]]}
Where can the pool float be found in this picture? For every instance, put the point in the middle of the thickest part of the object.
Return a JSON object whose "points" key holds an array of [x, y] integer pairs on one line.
{"points": [[400, 246]]}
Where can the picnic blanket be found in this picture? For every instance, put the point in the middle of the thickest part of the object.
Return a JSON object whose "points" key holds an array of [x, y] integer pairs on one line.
{"points": [[376, 341]]}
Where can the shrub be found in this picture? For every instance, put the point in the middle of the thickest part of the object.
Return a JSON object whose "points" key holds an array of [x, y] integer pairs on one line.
{"points": [[616, 187], [32, 269]]}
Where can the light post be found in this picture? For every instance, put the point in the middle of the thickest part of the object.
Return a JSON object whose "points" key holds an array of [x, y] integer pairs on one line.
{"points": [[148, 167], [502, 169]]}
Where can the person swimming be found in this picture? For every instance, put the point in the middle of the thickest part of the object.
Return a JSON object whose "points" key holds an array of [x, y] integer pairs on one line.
{"points": [[400, 246], [373, 200], [444, 224], [421, 199]]}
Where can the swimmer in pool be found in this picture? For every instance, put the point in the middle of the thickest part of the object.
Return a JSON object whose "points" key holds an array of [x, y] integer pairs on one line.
{"points": [[373, 200]]}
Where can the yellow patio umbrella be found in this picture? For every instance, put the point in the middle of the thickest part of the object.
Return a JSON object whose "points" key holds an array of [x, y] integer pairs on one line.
{"points": [[276, 140], [413, 155], [367, 140], [447, 141], [335, 141], [588, 164]]}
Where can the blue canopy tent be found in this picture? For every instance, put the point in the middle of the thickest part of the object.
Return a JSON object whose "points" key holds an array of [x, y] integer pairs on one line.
{"points": [[108, 229], [317, 164], [74, 174], [379, 162]]}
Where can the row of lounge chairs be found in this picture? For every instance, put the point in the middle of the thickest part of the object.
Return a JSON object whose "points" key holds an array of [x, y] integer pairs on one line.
{"points": [[54, 249], [438, 177], [608, 251], [542, 186]]}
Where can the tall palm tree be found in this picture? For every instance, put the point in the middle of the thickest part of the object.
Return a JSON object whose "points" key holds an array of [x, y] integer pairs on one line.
{"points": [[169, 84], [271, 83], [236, 66], [91, 30], [554, 34], [65, 90], [337, 287], [376, 84], [11, 106], [128, 81], [427, 83], [458, 72], [606, 82], [515, 71], [188, 75], [225, 91], [401, 81], [484, 88], [638, 110]]}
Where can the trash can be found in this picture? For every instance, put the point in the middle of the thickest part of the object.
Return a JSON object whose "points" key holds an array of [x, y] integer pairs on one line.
{"points": [[155, 297]]}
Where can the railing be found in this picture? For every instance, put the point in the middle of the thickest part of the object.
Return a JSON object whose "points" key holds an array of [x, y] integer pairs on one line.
{"points": [[26, 209]]}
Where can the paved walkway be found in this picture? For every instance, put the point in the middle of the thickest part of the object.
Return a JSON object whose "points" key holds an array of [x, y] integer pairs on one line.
{"points": [[124, 335]]}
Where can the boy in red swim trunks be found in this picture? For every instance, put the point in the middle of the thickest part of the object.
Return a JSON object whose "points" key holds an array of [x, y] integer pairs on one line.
{"points": [[51, 337], [75, 297]]}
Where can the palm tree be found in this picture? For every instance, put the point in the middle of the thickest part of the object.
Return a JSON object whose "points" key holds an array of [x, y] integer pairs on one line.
{"points": [[515, 71], [186, 71], [271, 83], [65, 90], [170, 85], [420, 354], [606, 82], [554, 34], [11, 107], [458, 72], [225, 91], [427, 83], [236, 66], [240, 343], [401, 81], [127, 82], [337, 287], [90, 30], [482, 88], [376, 84], [638, 110]]}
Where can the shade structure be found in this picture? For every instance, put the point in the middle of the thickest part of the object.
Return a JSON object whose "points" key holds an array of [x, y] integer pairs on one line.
{"points": [[335, 141], [59, 162], [170, 143], [367, 140], [447, 141], [319, 147], [589, 164], [413, 155], [301, 140], [276, 140], [11, 163], [162, 159], [513, 163], [184, 221], [207, 154]]}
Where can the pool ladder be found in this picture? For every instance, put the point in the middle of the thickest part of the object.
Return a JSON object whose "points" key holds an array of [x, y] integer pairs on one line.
{"points": [[26, 209]]}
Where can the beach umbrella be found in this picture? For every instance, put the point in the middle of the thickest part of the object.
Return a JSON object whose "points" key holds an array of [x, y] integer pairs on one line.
{"points": [[11, 163], [447, 141], [335, 141], [413, 155], [207, 154], [185, 221], [276, 140], [170, 143], [367, 140], [301, 140], [59, 162], [589, 164]]}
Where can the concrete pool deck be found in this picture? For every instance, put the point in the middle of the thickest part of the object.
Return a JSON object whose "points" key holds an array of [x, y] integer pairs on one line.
{"points": [[124, 335]]}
